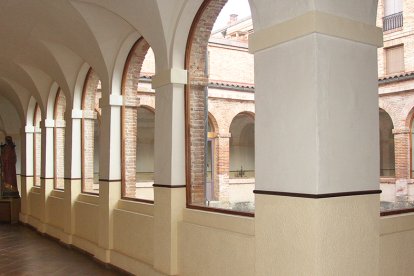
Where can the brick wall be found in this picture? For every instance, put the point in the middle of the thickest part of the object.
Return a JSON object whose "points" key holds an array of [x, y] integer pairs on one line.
{"points": [[403, 35], [196, 109], [129, 115], [396, 94]]}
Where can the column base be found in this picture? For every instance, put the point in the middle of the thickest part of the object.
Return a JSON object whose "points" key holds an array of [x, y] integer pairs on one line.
{"points": [[326, 236]]}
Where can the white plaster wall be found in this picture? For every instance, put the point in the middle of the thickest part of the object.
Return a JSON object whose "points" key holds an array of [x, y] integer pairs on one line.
{"points": [[56, 212], [222, 250], [35, 203], [133, 235], [86, 224], [397, 245]]}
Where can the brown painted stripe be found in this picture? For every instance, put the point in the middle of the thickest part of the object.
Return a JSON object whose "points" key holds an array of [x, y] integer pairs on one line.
{"points": [[217, 210], [317, 196], [110, 180], [138, 200], [396, 212], [90, 193], [168, 186], [68, 178]]}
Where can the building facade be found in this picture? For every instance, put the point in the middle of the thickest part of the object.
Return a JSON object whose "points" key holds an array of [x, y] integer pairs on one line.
{"points": [[396, 101]]}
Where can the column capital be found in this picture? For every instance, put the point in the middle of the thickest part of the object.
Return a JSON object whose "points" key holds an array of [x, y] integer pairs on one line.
{"points": [[169, 76], [29, 129], [77, 114], [112, 100], [316, 22], [48, 123]]}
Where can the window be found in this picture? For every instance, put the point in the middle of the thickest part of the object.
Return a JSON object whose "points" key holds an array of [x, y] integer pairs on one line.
{"points": [[392, 7], [220, 109], [138, 119], [393, 15], [394, 59], [90, 133]]}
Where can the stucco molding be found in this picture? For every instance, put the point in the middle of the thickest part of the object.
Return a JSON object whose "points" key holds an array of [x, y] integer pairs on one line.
{"points": [[316, 22], [172, 76]]}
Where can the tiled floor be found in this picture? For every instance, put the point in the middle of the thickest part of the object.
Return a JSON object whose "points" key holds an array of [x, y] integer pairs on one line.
{"points": [[23, 251]]}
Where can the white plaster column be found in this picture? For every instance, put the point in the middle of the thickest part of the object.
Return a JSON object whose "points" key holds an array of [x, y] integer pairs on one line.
{"points": [[27, 172], [169, 191], [109, 171], [73, 163], [317, 128], [47, 168]]}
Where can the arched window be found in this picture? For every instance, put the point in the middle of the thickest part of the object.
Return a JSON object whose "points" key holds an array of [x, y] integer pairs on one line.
{"points": [[90, 133], [37, 146], [138, 124], [59, 140], [387, 152], [145, 154], [221, 80], [242, 168]]}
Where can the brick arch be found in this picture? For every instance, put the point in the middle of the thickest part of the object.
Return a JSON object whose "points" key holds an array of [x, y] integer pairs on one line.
{"points": [[409, 118], [389, 110], [90, 109], [147, 107], [129, 88], [214, 123], [59, 139], [195, 64], [248, 114], [408, 124], [233, 109], [387, 146]]}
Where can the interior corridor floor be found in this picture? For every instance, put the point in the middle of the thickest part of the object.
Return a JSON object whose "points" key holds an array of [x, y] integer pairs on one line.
{"points": [[23, 251]]}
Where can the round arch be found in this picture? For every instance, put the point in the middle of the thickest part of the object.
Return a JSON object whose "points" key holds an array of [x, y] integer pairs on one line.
{"points": [[207, 161], [242, 145], [387, 148], [89, 129], [130, 121]]}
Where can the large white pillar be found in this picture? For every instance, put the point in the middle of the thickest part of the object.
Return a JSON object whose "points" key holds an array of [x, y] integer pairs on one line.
{"points": [[169, 179], [109, 171], [317, 175], [73, 163], [27, 172], [47, 169]]}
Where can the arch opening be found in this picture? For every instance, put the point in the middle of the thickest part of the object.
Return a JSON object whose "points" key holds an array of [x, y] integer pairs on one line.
{"points": [[91, 109], [137, 121], [387, 150], [217, 58]]}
